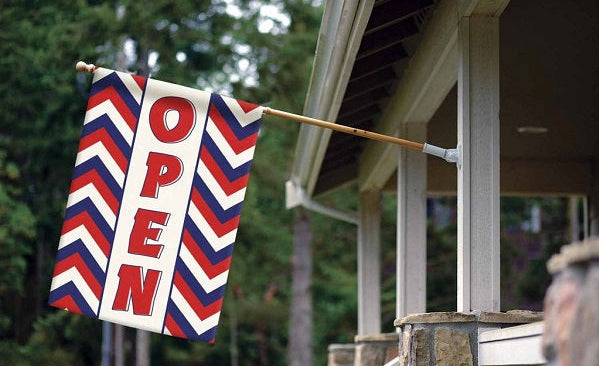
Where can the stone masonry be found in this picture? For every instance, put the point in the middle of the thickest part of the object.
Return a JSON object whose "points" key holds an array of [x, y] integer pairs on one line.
{"points": [[341, 354], [375, 350], [571, 332], [450, 339], [371, 350]]}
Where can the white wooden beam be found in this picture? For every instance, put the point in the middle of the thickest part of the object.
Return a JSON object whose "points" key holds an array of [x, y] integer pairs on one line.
{"points": [[594, 201], [519, 345], [411, 227], [478, 174], [369, 267], [521, 177], [338, 43], [425, 83]]}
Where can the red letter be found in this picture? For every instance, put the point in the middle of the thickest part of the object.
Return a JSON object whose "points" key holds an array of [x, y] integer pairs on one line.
{"points": [[163, 170], [131, 286], [142, 231], [161, 108]]}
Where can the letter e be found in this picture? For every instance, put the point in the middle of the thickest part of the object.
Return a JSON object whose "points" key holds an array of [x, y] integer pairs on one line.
{"points": [[142, 230]]}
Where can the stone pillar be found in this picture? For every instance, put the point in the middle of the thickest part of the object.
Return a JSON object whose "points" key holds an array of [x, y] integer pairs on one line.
{"points": [[451, 339], [571, 333], [341, 354], [376, 349]]}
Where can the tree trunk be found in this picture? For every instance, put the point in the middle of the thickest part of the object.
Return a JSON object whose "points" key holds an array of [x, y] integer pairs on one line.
{"points": [[300, 325]]}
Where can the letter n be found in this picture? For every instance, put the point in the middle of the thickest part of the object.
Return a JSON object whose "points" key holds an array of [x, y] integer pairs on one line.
{"points": [[133, 288]]}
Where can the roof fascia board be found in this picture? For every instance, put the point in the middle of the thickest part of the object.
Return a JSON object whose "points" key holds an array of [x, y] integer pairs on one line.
{"points": [[340, 36], [427, 80]]}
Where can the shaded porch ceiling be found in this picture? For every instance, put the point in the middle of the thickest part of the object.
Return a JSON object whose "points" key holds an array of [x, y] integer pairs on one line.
{"points": [[549, 77], [390, 39]]}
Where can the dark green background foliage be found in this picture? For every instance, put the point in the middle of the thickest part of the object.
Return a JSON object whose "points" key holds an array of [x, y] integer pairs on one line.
{"points": [[42, 104]]}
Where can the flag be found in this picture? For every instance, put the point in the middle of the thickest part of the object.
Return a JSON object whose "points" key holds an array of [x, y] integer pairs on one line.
{"points": [[154, 205]]}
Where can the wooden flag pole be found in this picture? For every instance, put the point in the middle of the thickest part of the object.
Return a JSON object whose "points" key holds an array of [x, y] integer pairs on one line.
{"points": [[450, 155], [346, 129]]}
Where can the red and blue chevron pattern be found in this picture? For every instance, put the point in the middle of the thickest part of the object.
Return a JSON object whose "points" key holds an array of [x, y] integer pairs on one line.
{"points": [[96, 191], [199, 267], [212, 218]]}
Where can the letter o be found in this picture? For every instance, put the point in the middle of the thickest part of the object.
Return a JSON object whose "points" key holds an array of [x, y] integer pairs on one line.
{"points": [[182, 129]]}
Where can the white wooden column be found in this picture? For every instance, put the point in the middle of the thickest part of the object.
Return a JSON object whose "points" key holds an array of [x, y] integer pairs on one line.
{"points": [[478, 174], [594, 201], [369, 267], [411, 225]]}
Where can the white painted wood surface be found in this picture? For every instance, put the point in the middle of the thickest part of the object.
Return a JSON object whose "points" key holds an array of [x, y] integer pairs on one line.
{"points": [[520, 345], [478, 173], [593, 201], [530, 177], [424, 85], [338, 43], [369, 266], [411, 226]]}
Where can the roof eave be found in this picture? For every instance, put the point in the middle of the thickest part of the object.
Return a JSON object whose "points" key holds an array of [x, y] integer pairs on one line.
{"points": [[340, 34]]}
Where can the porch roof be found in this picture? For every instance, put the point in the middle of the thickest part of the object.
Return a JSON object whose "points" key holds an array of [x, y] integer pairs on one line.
{"points": [[373, 57]]}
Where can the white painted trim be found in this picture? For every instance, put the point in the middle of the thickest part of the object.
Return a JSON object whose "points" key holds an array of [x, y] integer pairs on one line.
{"points": [[478, 175], [521, 177], [341, 33], [593, 200], [393, 362], [424, 85], [464, 194], [411, 227], [296, 196], [369, 266], [520, 345]]}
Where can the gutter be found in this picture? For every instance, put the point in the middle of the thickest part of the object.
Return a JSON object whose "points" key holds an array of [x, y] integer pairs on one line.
{"points": [[296, 196]]}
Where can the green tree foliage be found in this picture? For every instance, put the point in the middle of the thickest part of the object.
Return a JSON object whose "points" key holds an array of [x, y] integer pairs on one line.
{"points": [[254, 50], [231, 47], [17, 228]]}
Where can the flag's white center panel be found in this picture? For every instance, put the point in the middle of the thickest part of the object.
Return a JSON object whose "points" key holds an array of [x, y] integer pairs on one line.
{"points": [[150, 222]]}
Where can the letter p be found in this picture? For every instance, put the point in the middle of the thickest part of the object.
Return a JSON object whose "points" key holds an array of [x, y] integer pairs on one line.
{"points": [[163, 170]]}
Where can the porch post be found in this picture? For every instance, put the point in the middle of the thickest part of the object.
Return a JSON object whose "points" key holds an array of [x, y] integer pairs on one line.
{"points": [[411, 226], [369, 272], [594, 201], [478, 174]]}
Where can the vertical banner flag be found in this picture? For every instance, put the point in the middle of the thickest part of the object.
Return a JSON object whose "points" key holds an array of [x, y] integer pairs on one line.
{"points": [[154, 205]]}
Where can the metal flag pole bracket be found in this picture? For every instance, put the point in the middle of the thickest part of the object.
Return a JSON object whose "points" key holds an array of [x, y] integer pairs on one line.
{"points": [[449, 155]]}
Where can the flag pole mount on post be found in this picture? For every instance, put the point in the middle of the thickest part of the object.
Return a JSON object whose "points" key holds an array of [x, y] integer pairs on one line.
{"points": [[449, 155]]}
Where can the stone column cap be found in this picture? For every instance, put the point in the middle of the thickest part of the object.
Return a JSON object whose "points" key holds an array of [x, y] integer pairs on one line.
{"points": [[382, 337], [577, 252], [509, 317], [341, 347], [436, 317]]}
